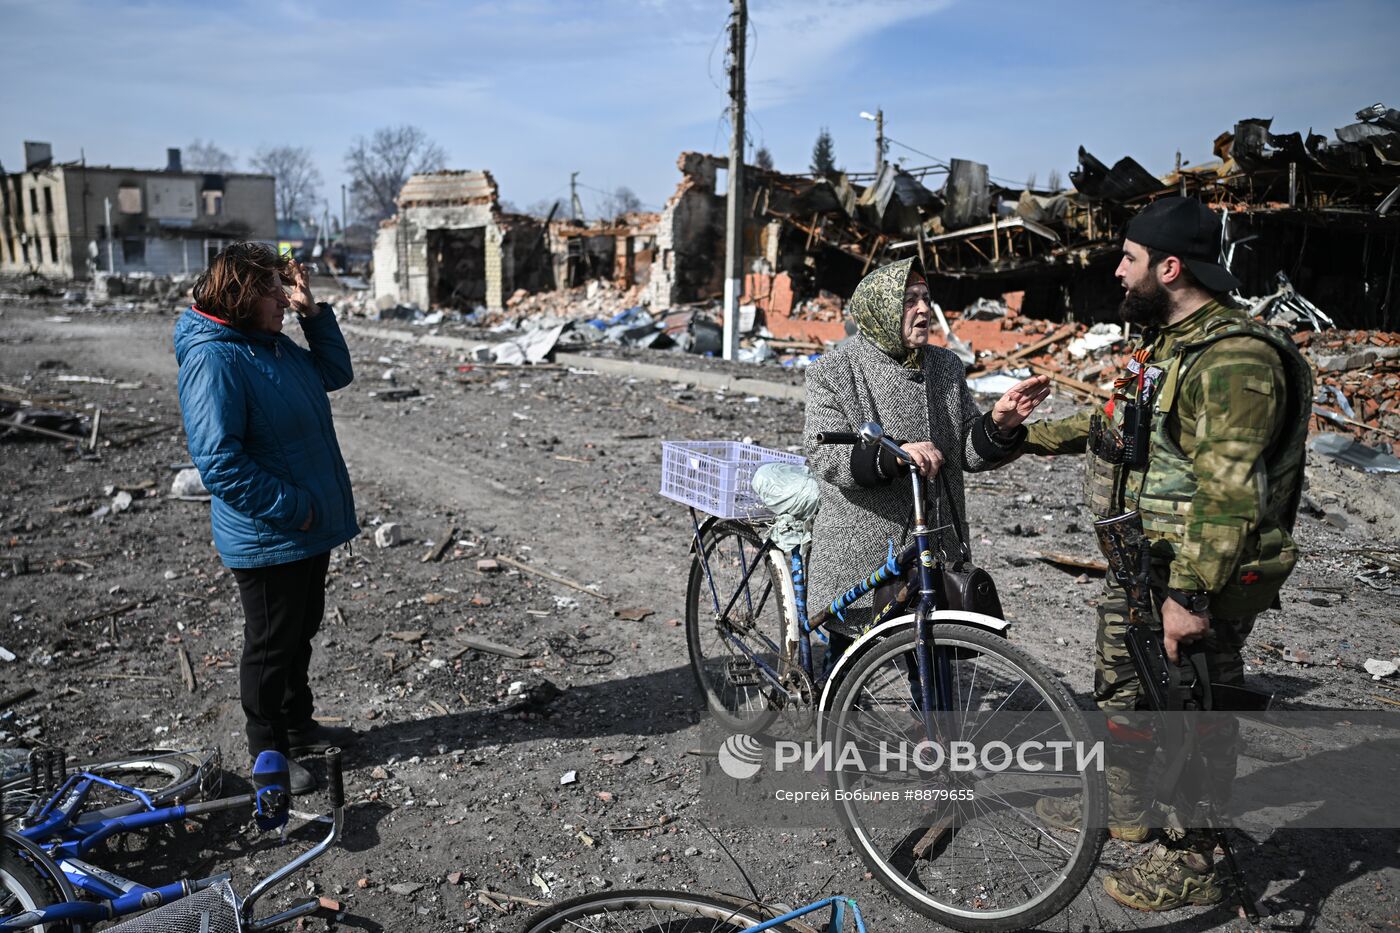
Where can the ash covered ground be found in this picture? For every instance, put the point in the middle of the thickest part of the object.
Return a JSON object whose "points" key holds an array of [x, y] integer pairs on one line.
{"points": [[456, 787]]}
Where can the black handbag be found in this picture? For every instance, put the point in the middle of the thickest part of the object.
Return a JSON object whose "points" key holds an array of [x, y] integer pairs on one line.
{"points": [[961, 583], [964, 585]]}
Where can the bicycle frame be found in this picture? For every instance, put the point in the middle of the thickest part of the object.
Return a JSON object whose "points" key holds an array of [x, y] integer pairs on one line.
{"points": [[836, 924], [934, 689], [63, 836]]}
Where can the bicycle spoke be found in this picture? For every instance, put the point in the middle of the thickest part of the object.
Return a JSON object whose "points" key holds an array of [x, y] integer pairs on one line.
{"points": [[987, 858]]}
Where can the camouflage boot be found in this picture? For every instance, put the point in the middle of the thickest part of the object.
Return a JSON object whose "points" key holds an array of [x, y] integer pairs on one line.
{"points": [[1127, 812], [1175, 873]]}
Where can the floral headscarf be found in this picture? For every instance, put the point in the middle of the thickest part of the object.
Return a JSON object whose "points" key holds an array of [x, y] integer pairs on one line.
{"points": [[877, 307]]}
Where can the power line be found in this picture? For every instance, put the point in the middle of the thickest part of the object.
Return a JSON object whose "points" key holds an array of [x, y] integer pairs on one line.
{"points": [[612, 194], [943, 164], [891, 139], [710, 61]]}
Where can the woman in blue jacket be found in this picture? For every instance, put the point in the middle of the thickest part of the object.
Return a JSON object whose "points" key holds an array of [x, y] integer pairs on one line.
{"points": [[258, 424]]}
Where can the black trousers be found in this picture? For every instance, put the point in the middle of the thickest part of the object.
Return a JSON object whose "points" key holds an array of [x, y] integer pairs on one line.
{"points": [[282, 609]]}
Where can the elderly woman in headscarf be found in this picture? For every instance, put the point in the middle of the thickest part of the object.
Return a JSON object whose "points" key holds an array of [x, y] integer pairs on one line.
{"points": [[889, 374]]}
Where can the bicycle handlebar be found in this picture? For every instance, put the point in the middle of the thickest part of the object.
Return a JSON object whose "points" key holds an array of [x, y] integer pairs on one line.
{"points": [[334, 780], [876, 436]]}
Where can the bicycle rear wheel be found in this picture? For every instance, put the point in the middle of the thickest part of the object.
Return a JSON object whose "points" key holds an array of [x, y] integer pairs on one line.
{"points": [[164, 776], [963, 845], [653, 912], [734, 625]]}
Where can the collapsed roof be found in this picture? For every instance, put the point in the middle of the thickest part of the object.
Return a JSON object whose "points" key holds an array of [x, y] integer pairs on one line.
{"points": [[977, 238]]}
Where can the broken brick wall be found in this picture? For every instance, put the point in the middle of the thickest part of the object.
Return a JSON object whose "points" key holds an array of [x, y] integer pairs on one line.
{"points": [[689, 263]]}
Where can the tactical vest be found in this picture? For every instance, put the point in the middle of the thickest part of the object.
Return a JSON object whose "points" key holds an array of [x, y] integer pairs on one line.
{"points": [[1163, 490]]}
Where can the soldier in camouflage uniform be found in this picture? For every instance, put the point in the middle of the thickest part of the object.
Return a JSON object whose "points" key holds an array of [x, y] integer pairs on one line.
{"points": [[1213, 415]]}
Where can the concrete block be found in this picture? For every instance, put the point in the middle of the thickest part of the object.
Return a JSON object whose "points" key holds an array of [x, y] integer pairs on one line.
{"points": [[388, 534], [188, 483]]}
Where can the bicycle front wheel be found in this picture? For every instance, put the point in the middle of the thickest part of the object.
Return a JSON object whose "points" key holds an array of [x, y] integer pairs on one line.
{"points": [[22, 888], [959, 841], [652, 912], [734, 621]]}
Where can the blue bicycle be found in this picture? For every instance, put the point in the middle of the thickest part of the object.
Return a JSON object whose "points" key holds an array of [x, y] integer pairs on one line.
{"points": [[679, 912], [962, 846], [56, 818]]}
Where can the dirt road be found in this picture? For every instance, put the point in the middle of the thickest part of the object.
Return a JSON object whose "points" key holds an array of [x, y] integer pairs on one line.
{"points": [[460, 784]]}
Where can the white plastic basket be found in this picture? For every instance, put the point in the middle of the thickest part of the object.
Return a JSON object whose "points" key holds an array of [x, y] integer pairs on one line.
{"points": [[717, 476]]}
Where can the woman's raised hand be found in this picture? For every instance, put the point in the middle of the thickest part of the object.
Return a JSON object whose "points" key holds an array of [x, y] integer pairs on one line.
{"points": [[1018, 402], [302, 302]]}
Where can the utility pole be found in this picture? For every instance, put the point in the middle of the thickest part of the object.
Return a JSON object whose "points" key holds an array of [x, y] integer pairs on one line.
{"points": [[107, 202], [878, 118], [734, 218], [575, 205], [879, 140], [344, 212]]}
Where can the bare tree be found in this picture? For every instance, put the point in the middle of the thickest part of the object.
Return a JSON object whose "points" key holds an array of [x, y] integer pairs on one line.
{"points": [[1053, 182], [298, 179], [763, 159], [1030, 182], [379, 166], [200, 156]]}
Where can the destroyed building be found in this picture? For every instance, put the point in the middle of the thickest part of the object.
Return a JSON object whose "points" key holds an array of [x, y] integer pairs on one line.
{"points": [[1310, 214], [451, 246], [71, 220], [1307, 213], [621, 250]]}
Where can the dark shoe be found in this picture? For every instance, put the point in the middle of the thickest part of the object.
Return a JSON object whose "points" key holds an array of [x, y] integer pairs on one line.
{"points": [[1168, 878], [315, 738], [301, 780]]}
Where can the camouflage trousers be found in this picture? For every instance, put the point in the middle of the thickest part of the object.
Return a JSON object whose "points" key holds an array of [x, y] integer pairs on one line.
{"points": [[1132, 775]]}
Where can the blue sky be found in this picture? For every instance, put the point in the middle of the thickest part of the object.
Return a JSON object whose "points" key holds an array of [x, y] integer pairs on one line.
{"points": [[535, 89]]}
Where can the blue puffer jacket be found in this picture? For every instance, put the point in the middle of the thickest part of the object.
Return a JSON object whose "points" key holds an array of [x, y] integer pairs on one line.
{"points": [[258, 425]]}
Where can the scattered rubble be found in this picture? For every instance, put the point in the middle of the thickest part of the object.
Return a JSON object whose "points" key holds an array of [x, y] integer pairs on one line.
{"points": [[421, 655]]}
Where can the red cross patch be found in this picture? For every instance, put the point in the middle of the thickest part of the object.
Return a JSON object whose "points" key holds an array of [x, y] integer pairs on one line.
{"points": [[1249, 576]]}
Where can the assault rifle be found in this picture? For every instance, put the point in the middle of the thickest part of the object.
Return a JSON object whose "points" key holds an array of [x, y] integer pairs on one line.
{"points": [[1171, 689]]}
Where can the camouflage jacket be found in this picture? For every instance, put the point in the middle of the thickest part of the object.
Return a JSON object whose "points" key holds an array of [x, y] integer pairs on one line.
{"points": [[1230, 407]]}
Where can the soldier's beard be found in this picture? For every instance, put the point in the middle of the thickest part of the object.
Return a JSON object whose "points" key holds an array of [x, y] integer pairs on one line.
{"points": [[1148, 305]]}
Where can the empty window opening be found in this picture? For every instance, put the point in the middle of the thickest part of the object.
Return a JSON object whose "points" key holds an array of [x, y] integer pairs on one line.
{"points": [[133, 250], [48, 200], [129, 199], [33, 201], [213, 203], [53, 249]]}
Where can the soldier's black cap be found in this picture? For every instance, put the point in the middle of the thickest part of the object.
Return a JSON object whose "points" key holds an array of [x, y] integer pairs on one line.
{"points": [[1187, 229]]}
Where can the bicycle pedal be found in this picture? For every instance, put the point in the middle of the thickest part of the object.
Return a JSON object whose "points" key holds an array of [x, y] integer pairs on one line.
{"points": [[741, 672]]}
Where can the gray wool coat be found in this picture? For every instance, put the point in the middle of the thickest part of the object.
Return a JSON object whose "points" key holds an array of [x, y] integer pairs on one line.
{"points": [[857, 382]]}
